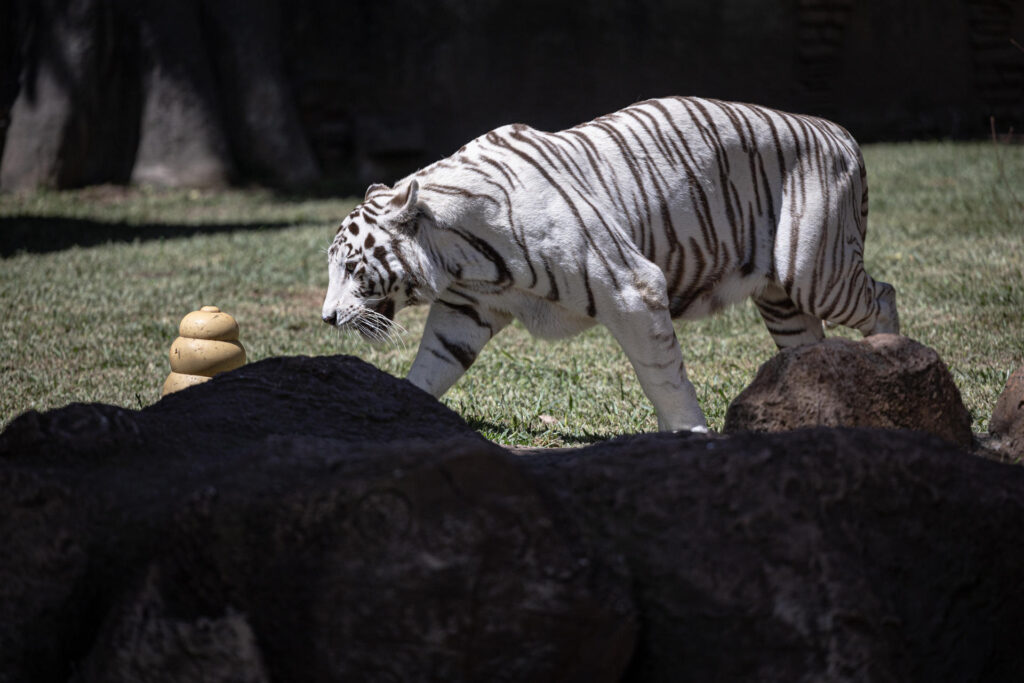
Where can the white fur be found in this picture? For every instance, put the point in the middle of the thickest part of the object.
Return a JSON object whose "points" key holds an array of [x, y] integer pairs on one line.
{"points": [[565, 230]]}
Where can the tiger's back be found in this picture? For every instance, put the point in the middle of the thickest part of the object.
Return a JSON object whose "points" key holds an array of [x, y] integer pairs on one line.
{"points": [[725, 198]]}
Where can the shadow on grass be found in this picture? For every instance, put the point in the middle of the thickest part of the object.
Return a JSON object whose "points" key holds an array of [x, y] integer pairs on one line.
{"points": [[43, 234], [588, 438]]}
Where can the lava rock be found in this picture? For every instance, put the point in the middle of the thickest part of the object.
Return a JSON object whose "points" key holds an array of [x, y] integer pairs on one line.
{"points": [[316, 519], [884, 381], [1007, 422], [296, 519], [818, 554]]}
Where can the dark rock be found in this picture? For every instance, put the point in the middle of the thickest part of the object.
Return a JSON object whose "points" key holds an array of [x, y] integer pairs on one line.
{"points": [[883, 381], [337, 398], [821, 554], [296, 519], [148, 644], [1007, 422], [316, 519]]}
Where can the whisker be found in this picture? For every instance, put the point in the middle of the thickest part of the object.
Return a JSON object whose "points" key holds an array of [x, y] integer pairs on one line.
{"points": [[372, 326], [380, 328]]}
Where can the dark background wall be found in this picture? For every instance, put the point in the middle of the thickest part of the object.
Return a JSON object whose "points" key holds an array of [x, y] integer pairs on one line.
{"points": [[341, 93]]}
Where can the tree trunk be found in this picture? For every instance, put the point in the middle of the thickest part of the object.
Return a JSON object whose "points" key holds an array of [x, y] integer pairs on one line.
{"points": [[266, 135], [181, 138], [47, 143], [183, 93]]}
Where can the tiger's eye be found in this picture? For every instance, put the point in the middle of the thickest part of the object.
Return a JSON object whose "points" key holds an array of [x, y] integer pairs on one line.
{"points": [[349, 267]]}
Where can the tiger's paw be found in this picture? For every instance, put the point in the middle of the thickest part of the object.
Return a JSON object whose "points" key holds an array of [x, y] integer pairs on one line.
{"points": [[699, 429]]}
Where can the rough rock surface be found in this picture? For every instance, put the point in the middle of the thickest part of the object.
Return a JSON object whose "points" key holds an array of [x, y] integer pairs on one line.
{"points": [[885, 381], [1007, 422], [297, 519], [820, 554], [316, 519]]}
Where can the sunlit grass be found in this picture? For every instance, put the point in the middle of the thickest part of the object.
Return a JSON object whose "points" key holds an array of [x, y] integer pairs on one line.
{"points": [[95, 323]]}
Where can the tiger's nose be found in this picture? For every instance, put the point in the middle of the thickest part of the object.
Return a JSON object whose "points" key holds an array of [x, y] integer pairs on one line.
{"points": [[331, 319]]}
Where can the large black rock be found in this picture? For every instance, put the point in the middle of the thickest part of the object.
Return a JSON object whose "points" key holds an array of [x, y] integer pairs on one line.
{"points": [[297, 519], [316, 519], [818, 554]]}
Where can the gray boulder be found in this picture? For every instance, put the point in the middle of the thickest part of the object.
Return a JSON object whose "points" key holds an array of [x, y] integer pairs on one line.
{"points": [[884, 381]]}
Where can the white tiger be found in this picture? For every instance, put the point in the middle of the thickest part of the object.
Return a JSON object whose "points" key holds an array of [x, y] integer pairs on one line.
{"points": [[669, 208]]}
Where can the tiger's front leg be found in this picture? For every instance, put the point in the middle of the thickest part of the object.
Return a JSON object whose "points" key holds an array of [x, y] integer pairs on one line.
{"points": [[638, 317], [454, 334]]}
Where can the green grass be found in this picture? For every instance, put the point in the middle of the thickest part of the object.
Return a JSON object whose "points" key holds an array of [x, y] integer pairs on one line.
{"points": [[95, 323]]}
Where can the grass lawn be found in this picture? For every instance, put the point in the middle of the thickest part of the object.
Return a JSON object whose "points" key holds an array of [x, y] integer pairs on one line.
{"points": [[93, 284]]}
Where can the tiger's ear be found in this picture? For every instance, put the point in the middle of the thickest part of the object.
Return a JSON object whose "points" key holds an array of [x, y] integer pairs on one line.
{"points": [[408, 207], [376, 187]]}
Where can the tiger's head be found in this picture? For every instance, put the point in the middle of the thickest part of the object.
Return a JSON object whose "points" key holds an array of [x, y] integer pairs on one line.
{"points": [[372, 263]]}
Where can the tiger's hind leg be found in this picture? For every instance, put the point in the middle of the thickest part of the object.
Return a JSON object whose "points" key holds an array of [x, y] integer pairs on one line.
{"points": [[788, 325], [871, 308], [887, 318]]}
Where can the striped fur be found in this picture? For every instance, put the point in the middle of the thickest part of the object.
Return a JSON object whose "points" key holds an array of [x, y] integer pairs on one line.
{"points": [[669, 208]]}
